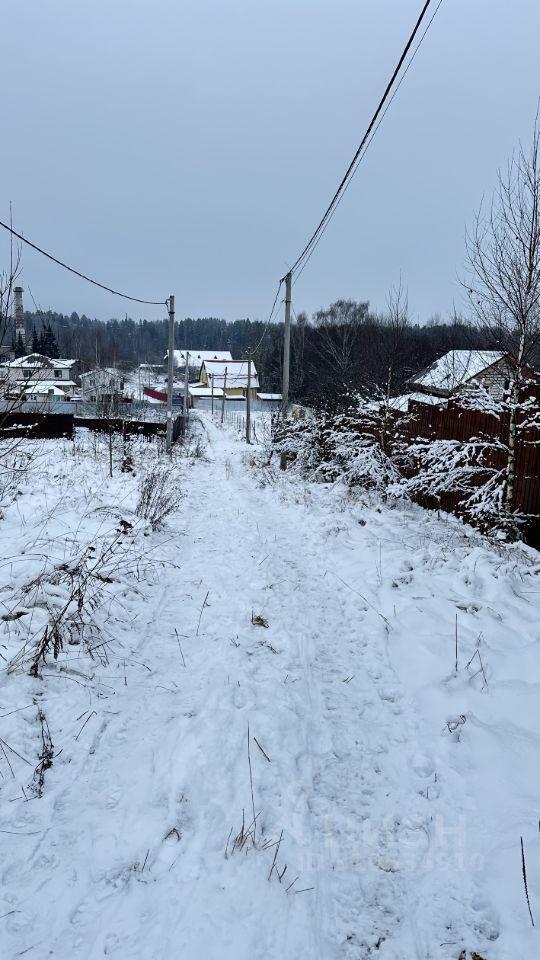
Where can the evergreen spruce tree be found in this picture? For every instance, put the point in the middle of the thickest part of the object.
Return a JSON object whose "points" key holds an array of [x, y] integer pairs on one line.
{"points": [[50, 346], [35, 341]]}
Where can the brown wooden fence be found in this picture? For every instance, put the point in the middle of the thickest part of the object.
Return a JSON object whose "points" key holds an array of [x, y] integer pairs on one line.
{"points": [[452, 422], [456, 423]]}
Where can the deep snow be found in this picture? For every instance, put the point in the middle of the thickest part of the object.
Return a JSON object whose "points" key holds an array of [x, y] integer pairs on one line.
{"points": [[402, 789]]}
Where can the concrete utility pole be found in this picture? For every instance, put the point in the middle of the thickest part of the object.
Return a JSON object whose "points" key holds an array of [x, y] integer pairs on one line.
{"points": [[170, 374], [286, 359], [186, 390], [286, 347], [223, 397], [248, 401]]}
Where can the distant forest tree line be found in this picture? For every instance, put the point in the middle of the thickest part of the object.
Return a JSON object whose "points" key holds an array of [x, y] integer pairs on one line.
{"points": [[339, 352]]}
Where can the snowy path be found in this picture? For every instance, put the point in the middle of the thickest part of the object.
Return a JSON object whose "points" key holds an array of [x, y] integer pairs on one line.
{"points": [[403, 835]]}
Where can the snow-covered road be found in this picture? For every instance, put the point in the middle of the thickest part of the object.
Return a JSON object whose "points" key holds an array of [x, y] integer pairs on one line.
{"points": [[400, 789]]}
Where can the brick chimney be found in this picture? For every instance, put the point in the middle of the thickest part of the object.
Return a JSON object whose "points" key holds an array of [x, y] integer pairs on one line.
{"points": [[19, 316]]}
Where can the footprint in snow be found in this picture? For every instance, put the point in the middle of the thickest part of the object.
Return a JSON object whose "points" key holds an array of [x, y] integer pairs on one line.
{"points": [[423, 766]]}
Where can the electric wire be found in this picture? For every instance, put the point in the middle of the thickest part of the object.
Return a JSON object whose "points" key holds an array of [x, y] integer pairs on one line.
{"points": [[350, 169], [369, 142], [96, 283], [270, 318]]}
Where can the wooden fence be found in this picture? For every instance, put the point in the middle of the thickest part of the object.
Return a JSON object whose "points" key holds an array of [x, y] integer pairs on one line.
{"points": [[452, 422], [53, 425], [131, 428], [36, 425], [457, 423]]}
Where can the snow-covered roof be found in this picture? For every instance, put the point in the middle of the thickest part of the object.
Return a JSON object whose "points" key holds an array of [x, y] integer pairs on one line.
{"points": [[33, 360], [44, 387], [455, 368], [237, 373], [197, 357], [205, 392], [104, 372], [24, 386], [402, 403], [269, 396]]}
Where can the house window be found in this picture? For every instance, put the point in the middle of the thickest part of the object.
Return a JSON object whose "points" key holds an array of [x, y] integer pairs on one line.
{"points": [[26, 374], [57, 374]]}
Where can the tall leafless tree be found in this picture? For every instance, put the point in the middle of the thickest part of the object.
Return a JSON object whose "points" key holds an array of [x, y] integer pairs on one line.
{"points": [[339, 331], [503, 253], [8, 280]]}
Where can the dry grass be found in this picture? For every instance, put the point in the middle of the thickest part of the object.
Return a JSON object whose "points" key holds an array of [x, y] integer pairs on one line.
{"points": [[159, 494]]}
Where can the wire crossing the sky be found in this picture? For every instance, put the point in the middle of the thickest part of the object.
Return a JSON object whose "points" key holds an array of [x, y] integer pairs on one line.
{"points": [[117, 293], [366, 139]]}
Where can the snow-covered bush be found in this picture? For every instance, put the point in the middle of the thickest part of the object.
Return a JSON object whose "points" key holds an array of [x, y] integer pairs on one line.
{"points": [[472, 472], [346, 447]]}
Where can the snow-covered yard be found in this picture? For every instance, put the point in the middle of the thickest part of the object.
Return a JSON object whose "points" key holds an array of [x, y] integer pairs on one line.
{"points": [[260, 744]]}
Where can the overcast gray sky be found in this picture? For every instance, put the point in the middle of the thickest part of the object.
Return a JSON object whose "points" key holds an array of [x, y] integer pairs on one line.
{"points": [[191, 147]]}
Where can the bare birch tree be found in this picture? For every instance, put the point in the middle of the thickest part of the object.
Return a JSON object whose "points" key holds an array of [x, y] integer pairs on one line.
{"points": [[503, 253]]}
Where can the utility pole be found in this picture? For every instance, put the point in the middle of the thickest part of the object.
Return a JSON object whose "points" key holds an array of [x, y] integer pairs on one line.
{"points": [[286, 360], [223, 397], [170, 374], [286, 347], [211, 375], [186, 390], [248, 401]]}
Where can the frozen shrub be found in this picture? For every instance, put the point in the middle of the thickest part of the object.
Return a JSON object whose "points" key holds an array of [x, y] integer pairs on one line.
{"points": [[159, 493]]}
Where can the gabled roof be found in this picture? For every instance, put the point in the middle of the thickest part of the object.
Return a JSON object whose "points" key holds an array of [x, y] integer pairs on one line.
{"points": [[197, 357], [456, 368], [103, 373], [39, 360], [237, 373]]}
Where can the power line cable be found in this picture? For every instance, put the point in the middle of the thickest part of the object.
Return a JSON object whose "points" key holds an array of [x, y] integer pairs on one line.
{"points": [[368, 144], [125, 296], [365, 138], [270, 318]]}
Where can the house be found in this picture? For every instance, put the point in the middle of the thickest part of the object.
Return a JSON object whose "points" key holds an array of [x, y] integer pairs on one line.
{"points": [[24, 373], [196, 358], [231, 376], [460, 370], [105, 383]]}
